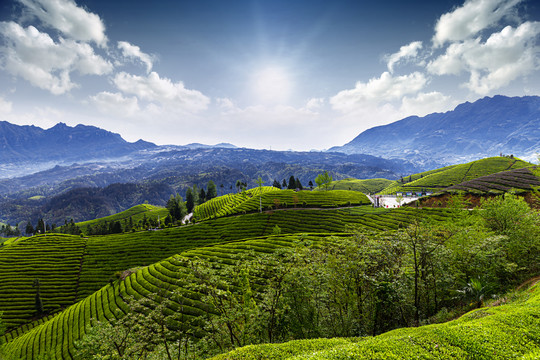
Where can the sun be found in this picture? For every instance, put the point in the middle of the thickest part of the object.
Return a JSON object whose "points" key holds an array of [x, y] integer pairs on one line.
{"points": [[272, 85]]}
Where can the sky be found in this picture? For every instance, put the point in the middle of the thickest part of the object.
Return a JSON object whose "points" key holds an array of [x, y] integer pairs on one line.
{"points": [[274, 74]]}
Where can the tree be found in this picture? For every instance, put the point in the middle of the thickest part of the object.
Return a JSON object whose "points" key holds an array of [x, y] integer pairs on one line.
{"points": [[40, 228], [298, 184], [276, 184], [190, 200], [310, 184], [211, 190], [284, 184], [292, 183], [202, 196], [238, 185], [177, 207], [323, 179], [29, 229]]}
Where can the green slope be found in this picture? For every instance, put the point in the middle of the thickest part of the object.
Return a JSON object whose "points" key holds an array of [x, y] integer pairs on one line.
{"points": [[510, 331], [452, 175], [272, 198], [366, 186], [71, 268], [136, 213], [517, 181], [55, 337]]}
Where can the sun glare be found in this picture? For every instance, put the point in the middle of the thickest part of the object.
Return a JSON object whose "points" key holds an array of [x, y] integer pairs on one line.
{"points": [[272, 85]]}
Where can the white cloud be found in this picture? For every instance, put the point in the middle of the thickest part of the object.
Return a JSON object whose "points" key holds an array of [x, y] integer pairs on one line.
{"points": [[36, 57], [115, 104], [383, 89], [405, 52], [471, 18], [5, 106], [134, 52], [73, 21], [504, 57], [161, 90], [315, 103], [426, 103]]}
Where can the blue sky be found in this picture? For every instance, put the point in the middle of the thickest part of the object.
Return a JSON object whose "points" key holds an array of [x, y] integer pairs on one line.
{"points": [[263, 74]]}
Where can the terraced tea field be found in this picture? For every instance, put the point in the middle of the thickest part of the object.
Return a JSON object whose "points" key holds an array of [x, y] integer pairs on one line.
{"points": [[519, 180], [56, 336], [273, 198], [136, 213], [453, 175], [81, 266], [367, 186]]}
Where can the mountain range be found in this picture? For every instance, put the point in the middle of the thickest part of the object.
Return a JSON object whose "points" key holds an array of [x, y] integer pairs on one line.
{"points": [[486, 127]]}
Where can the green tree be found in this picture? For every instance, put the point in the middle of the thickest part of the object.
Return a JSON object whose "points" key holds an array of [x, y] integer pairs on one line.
{"points": [[298, 184], [202, 196], [323, 179], [190, 200], [29, 229], [276, 184], [292, 183], [211, 190]]}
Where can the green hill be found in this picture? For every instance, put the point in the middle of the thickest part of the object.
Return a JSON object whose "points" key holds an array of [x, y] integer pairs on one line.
{"points": [[366, 186], [71, 268], [273, 198], [136, 213], [440, 179], [510, 331], [95, 278], [518, 181]]}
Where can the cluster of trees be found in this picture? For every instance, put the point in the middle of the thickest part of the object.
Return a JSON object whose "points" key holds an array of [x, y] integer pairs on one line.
{"points": [[8, 230], [294, 183], [366, 284], [195, 197]]}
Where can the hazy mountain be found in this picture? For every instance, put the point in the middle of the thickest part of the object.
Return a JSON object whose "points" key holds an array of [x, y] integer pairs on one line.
{"points": [[162, 173], [487, 127], [62, 142]]}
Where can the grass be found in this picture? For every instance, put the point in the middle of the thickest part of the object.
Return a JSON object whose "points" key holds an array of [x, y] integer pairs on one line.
{"points": [[438, 180], [510, 331]]}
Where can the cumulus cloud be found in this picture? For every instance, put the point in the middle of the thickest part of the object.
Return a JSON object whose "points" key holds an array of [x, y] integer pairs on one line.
{"points": [[383, 89], [115, 104], [47, 64], [405, 52], [134, 52], [73, 21], [161, 90], [502, 58], [471, 18]]}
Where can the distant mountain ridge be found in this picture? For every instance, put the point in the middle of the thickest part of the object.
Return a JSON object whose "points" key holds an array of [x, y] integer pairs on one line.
{"points": [[62, 142], [486, 127]]}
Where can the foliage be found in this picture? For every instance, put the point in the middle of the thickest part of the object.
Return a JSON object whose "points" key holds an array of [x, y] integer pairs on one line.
{"points": [[323, 180]]}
